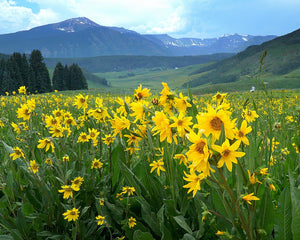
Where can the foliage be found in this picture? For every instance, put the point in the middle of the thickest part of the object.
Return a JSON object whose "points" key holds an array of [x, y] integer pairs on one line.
{"points": [[83, 165]]}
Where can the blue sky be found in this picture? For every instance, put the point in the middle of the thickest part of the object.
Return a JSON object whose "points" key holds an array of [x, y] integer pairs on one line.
{"points": [[178, 18]]}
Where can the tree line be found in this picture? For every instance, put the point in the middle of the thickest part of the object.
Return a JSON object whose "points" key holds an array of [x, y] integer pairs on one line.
{"points": [[17, 71]]}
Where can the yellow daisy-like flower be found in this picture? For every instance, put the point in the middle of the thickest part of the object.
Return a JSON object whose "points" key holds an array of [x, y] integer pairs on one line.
{"points": [[17, 153], [101, 201], [100, 220], [96, 164], [228, 154], [71, 215], [199, 153], [133, 139], [128, 190], [162, 126], [33, 167], [48, 161], [181, 103], [24, 112], [249, 115], [131, 222], [67, 190], [66, 158], [218, 97], [76, 183], [249, 198], [46, 143], [263, 171], [22, 90], [141, 93], [182, 124], [57, 131], [241, 134], [252, 178], [83, 137], [182, 158], [213, 121], [272, 187], [194, 181], [108, 139], [158, 165], [16, 128], [81, 101]]}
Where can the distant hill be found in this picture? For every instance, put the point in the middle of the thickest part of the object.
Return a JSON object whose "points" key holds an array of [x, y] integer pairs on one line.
{"points": [[81, 37], [124, 63], [230, 43], [282, 63]]}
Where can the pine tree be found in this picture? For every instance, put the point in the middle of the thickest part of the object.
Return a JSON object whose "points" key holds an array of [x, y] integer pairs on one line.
{"points": [[58, 79], [67, 77], [14, 73], [42, 81], [78, 81]]}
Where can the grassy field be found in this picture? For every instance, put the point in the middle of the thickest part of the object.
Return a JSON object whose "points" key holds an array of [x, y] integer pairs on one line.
{"points": [[150, 165]]}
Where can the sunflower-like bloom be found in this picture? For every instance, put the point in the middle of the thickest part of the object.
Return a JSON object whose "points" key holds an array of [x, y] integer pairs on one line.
{"points": [[252, 178], [46, 143], [108, 139], [182, 124], [166, 94], [22, 90], [133, 139], [182, 158], [67, 190], [228, 154], [249, 198], [162, 126], [24, 112], [194, 181], [158, 165], [96, 164], [218, 97], [81, 101], [83, 137], [100, 220], [128, 190], [71, 215], [249, 115], [57, 131], [33, 167], [76, 183], [199, 153], [58, 113], [131, 222], [52, 121], [17, 153], [100, 114], [119, 123], [141, 93], [213, 121], [138, 109], [16, 128], [241, 134], [181, 103]]}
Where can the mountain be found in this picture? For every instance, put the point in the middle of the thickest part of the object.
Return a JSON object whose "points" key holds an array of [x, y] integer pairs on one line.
{"points": [[78, 37], [281, 66], [81, 37], [231, 43]]}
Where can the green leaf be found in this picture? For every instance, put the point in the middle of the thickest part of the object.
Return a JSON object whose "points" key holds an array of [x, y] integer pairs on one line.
{"points": [[295, 200], [266, 212], [6, 237], [284, 216], [138, 235], [182, 223], [28, 209], [188, 236]]}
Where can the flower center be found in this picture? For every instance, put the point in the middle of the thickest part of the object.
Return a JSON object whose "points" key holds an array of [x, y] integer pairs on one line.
{"points": [[199, 147], [241, 134], [225, 153], [180, 122], [216, 124]]}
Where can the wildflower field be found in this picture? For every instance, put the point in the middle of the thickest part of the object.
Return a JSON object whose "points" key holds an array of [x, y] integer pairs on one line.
{"points": [[88, 165]]}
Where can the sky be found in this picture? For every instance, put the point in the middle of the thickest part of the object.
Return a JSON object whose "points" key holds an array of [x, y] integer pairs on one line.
{"points": [[178, 18]]}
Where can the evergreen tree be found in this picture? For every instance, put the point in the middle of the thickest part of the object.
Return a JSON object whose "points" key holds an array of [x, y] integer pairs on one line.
{"points": [[42, 82], [14, 73], [2, 67], [77, 79], [67, 77], [58, 79]]}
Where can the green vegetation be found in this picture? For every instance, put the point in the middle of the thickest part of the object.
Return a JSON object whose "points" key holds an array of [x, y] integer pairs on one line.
{"points": [[282, 65], [127, 63]]}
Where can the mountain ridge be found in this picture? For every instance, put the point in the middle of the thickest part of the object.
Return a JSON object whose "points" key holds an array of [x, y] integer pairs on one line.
{"points": [[81, 37]]}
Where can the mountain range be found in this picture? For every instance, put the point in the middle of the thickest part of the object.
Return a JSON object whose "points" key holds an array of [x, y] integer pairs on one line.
{"points": [[81, 37]]}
